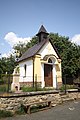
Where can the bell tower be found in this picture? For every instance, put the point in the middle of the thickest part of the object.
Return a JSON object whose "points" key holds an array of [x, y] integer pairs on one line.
{"points": [[42, 34]]}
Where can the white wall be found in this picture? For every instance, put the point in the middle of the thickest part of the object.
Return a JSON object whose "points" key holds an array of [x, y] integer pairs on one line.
{"points": [[29, 71], [47, 49], [54, 77], [42, 75]]}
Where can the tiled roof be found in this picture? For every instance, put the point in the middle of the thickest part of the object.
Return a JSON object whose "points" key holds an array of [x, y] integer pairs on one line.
{"points": [[34, 50]]}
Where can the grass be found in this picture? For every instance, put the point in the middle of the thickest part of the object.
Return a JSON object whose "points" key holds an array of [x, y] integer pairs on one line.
{"points": [[4, 114], [67, 87], [31, 89], [3, 88]]}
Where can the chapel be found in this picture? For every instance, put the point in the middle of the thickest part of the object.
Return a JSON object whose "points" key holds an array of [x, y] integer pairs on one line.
{"points": [[41, 63]]}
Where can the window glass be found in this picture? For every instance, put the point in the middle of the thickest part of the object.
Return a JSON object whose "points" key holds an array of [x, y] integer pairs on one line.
{"points": [[25, 70], [49, 61]]}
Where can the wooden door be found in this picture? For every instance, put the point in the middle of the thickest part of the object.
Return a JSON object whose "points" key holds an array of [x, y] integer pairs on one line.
{"points": [[48, 77]]}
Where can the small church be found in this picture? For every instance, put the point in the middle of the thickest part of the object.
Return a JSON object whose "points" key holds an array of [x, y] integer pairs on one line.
{"points": [[41, 63]]}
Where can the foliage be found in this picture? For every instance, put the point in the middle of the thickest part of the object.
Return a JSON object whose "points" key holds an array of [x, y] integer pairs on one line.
{"points": [[69, 52], [62, 88], [21, 110], [27, 89], [3, 88], [77, 80], [7, 65], [31, 89], [70, 55], [5, 81], [4, 114], [1, 82]]}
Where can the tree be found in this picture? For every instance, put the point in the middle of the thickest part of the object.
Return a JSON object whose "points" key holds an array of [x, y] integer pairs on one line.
{"points": [[70, 55], [7, 65], [10, 64]]}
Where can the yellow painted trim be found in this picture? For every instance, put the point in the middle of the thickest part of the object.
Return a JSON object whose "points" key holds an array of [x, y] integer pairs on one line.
{"points": [[37, 67]]}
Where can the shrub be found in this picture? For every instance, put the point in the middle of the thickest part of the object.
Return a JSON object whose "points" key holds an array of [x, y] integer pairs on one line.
{"points": [[5, 114], [1, 82], [21, 110]]}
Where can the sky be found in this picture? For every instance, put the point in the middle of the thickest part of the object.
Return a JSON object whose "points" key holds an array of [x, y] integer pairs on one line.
{"points": [[20, 20]]}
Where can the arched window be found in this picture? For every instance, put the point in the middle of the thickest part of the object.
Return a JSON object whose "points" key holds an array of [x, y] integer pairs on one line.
{"points": [[49, 61], [25, 70]]}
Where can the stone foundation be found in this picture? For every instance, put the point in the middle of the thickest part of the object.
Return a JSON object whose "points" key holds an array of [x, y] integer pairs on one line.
{"points": [[12, 103], [30, 84]]}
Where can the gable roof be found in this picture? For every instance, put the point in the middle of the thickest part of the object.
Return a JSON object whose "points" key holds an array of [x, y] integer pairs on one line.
{"points": [[34, 50]]}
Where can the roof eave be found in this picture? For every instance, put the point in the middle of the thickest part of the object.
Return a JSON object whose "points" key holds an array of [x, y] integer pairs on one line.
{"points": [[25, 59]]}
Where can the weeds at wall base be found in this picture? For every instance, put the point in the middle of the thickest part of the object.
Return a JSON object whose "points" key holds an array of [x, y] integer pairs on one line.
{"points": [[4, 114]]}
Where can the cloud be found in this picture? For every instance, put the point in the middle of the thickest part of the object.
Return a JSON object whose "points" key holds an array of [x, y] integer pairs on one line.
{"points": [[6, 55], [76, 39], [13, 39]]}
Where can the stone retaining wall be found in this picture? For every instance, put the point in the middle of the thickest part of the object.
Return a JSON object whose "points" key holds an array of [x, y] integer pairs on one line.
{"points": [[13, 103]]}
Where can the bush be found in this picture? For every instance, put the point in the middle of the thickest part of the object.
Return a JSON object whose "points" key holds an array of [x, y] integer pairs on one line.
{"points": [[1, 82], [21, 110], [5, 114]]}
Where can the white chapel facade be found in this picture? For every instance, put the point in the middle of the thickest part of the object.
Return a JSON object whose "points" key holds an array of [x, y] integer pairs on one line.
{"points": [[41, 63]]}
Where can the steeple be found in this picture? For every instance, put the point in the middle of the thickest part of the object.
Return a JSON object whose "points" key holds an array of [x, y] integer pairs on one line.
{"points": [[42, 34]]}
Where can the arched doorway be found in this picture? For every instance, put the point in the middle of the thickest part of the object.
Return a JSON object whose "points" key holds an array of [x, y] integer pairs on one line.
{"points": [[48, 74]]}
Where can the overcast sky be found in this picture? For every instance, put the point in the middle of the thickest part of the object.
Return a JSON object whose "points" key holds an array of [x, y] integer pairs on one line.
{"points": [[20, 20]]}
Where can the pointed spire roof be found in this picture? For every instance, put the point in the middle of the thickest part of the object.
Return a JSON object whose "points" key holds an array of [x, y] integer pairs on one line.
{"points": [[42, 30]]}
